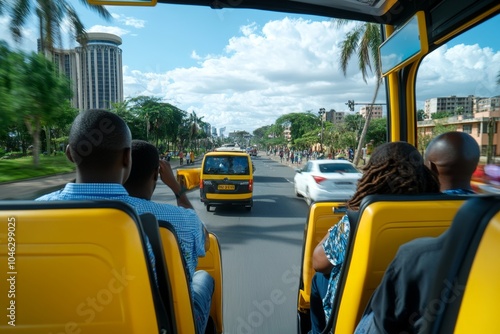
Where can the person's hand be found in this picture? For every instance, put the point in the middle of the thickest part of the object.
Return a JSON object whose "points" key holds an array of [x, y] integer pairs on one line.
{"points": [[167, 175]]}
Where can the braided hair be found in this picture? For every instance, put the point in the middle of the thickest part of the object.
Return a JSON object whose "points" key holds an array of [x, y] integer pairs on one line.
{"points": [[394, 168]]}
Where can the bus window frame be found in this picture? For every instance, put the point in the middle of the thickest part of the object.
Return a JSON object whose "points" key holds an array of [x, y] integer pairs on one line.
{"points": [[424, 45]]}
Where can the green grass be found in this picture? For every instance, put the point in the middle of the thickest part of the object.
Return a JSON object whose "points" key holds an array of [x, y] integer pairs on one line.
{"points": [[23, 168]]}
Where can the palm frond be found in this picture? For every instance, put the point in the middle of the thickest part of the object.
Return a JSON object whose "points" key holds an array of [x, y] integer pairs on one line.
{"points": [[20, 13], [364, 56], [375, 41], [348, 48], [339, 23], [101, 10], [77, 26]]}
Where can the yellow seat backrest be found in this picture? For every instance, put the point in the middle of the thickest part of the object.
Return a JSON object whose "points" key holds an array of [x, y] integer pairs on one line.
{"points": [[75, 267], [321, 217], [383, 226], [466, 293], [181, 294], [481, 300], [212, 263]]}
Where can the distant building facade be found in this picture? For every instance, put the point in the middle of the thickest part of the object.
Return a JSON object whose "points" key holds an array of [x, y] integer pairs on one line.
{"points": [[485, 111], [333, 116], [376, 111], [451, 103], [95, 71]]}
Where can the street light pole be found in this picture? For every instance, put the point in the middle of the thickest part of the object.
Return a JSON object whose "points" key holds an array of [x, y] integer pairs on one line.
{"points": [[321, 112]]}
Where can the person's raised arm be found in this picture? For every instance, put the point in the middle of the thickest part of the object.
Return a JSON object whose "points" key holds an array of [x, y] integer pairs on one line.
{"points": [[167, 177]]}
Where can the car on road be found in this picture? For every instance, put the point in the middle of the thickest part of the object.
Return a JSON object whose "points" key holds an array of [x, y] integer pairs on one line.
{"points": [[326, 180]]}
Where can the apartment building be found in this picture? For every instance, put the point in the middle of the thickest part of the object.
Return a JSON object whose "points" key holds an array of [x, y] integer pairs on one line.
{"points": [[376, 111], [485, 113]]}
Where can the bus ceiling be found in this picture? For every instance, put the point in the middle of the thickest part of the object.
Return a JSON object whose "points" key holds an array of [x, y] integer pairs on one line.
{"points": [[445, 16]]}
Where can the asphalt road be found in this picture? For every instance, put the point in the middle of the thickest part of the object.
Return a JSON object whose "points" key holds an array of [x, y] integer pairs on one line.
{"points": [[261, 251]]}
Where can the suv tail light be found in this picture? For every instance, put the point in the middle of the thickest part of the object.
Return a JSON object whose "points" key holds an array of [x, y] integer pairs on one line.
{"points": [[201, 184], [250, 185]]}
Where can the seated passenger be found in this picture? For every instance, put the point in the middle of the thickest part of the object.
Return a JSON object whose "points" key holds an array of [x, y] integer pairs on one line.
{"points": [[100, 146], [453, 156], [394, 168], [400, 302]]}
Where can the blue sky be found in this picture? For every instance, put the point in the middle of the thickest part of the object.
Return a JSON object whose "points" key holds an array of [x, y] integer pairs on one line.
{"points": [[241, 69]]}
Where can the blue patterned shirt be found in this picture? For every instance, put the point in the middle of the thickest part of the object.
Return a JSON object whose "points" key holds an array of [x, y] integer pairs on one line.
{"points": [[335, 249], [459, 192], [189, 227]]}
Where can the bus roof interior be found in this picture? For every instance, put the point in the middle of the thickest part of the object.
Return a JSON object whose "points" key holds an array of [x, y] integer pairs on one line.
{"points": [[444, 16]]}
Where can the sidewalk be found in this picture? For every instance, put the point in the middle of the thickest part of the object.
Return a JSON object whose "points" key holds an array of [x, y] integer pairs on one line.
{"points": [[33, 188], [277, 158]]}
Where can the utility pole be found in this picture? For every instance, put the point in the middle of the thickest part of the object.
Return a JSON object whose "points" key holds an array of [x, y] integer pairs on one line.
{"points": [[368, 117], [321, 113]]}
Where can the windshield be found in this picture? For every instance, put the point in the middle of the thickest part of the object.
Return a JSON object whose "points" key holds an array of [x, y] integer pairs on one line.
{"points": [[229, 165]]}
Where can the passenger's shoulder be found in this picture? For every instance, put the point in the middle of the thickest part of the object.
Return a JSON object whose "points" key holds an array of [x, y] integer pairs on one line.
{"points": [[421, 245], [49, 197]]}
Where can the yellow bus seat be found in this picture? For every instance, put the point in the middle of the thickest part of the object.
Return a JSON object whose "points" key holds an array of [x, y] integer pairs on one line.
{"points": [[322, 216], [176, 268], [77, 267], [385, 222], [151, 228], [212, 263], [470, 262]]}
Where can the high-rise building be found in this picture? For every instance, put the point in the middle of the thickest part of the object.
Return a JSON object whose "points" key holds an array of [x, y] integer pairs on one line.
{"points": [[99, 64], [95, 71]]}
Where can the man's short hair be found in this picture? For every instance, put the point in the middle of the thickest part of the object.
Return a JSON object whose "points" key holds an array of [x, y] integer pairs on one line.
{"points": [[97, 137], [145, 160]]}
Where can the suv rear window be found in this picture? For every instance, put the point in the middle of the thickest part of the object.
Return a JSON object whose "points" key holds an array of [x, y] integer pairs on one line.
{"points": [[226, 165]]}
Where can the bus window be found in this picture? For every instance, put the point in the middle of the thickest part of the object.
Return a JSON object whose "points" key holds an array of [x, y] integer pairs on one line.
{"points": [[457, 89]]}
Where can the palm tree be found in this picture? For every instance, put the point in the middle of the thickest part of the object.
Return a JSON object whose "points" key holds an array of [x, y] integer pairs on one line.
{"points": [[51, 14], [363, 41], [194, 127]]}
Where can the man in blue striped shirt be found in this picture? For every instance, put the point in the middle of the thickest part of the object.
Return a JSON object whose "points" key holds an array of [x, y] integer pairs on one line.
{"points": [[100, 146]]}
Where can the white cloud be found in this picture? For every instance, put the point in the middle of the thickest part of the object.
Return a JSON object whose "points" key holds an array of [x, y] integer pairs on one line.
{"points": [[30, 34], [291, 65], [108, 29], [129, 21], [461, 70], [195, 56]]}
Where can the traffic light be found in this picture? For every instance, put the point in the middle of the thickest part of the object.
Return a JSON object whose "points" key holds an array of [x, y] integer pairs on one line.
{"points": [[350, 104]]}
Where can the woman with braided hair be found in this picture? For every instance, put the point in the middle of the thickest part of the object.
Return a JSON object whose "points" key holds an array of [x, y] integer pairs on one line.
{"points": [[394, 168]]}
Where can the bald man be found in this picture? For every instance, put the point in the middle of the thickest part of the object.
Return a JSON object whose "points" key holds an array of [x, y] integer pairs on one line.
{"points": [[453, 156]]}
